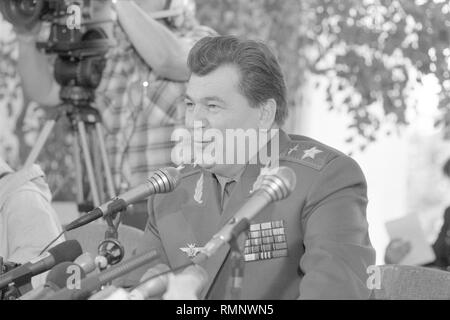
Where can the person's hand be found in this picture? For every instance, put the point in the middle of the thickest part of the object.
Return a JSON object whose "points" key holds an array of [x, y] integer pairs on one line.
{"points": [[396, 251]]}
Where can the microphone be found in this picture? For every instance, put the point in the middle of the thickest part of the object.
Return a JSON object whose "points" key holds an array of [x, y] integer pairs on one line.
{"points": [[86, 262], [118, 294], [274, 187], [153, 283], [106, 293], [186, 285], [56, 279], [159, 280], [94, 282], [162, 181], [65, 251]]}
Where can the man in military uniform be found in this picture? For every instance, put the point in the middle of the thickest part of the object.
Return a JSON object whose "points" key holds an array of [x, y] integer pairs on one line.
{"points": [[312, 245]]}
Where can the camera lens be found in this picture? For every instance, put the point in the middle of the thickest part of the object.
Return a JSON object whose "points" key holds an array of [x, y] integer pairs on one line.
{"points": [[85, 73], [22, 13], [27, 7]]}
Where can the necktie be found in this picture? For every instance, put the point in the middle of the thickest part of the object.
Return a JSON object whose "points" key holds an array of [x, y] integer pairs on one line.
{"points": [[227, 192]]}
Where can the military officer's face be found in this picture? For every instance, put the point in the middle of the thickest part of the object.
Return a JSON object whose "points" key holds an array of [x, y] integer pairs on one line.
{"points": [[215, 101]]}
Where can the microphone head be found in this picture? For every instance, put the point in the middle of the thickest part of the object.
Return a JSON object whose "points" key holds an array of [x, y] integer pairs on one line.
{"points": [[86, 262], [280, 184], [58, 276], [66, 251], [165, 179]]}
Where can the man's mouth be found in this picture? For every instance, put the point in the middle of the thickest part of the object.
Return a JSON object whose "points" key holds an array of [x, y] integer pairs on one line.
{"points": [[203, 141]]}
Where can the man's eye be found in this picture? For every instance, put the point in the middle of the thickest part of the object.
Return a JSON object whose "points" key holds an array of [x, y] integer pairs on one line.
{"points": [[213, 107], [189, 104]]}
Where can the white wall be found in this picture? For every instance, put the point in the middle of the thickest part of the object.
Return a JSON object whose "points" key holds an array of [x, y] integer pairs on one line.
{"points": [[384, 163]]}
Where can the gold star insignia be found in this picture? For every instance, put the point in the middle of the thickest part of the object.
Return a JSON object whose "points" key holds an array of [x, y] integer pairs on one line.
{"points": [[311, 153]]}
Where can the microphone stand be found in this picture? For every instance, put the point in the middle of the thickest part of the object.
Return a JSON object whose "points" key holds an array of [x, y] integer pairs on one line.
{"points": [[237, 270], [237, 260]]}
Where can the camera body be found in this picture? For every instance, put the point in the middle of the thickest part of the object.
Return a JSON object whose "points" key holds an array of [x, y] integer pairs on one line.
{"points": [[80, 50]]}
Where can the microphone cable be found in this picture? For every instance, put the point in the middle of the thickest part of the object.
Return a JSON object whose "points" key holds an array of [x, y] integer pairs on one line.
{"points": [[52, 242]]}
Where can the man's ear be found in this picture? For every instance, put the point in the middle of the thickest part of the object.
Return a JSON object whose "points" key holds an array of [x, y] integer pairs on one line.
{"points": [[267, 111]]}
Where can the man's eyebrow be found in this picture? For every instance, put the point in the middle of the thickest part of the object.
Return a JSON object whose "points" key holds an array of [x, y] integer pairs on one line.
{"points": [[185, 96], [208, 98], [213, 98]]}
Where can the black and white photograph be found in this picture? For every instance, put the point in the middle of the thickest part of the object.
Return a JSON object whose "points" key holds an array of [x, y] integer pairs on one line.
{"points": [[239, 152]]}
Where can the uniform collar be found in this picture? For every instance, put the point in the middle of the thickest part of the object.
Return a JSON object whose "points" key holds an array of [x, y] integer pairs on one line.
{"points": [[248, 178], [224, 180], [252, 171]]}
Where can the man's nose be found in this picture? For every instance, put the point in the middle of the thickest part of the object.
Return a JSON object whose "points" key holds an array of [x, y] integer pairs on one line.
{"points": [[198, 116]]}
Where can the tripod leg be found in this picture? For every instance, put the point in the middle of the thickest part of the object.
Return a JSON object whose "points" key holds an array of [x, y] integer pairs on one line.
{"points": [[108, 174], [112, 225], [98, 170], [78, 168], [37, 148], [88, 162]]}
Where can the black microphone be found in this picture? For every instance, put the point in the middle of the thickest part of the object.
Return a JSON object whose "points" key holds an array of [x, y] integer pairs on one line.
{"points": [[56, 279], [94, 282], [162, 181], [274, 187], [66, 251]]}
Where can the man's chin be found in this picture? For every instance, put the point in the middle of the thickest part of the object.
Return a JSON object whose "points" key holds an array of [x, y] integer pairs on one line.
{"points": [[207, 165]]}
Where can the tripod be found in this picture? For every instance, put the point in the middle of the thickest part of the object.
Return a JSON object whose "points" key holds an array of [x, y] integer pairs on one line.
{"points": [[85, 123]]}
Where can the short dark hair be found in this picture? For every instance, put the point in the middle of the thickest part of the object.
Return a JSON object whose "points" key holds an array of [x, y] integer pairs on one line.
{"points": [[260, 73], [446, 168]]}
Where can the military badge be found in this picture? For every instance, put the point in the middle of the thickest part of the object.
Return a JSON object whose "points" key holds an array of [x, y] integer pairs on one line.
{"points": [[294, 148], [198, 194], [191, 250], [310, 153], [266, 241]]}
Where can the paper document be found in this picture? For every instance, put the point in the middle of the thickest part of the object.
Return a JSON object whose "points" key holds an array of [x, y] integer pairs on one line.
{"points": [[408, 228]]}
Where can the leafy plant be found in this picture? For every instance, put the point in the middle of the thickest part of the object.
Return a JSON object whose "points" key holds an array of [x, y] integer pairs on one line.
{"points": [[373, 52]]}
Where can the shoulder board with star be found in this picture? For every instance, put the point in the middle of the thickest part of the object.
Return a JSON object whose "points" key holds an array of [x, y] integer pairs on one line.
{"points": [[308, 152]]}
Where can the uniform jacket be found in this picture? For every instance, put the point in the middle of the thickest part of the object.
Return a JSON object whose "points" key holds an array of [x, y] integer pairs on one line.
{"points": [[312, 245], [441, 246]]}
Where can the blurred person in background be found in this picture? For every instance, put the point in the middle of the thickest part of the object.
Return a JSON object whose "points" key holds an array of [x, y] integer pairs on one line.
{"points": [[398, 249], [138, 96], [28, 222]]}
